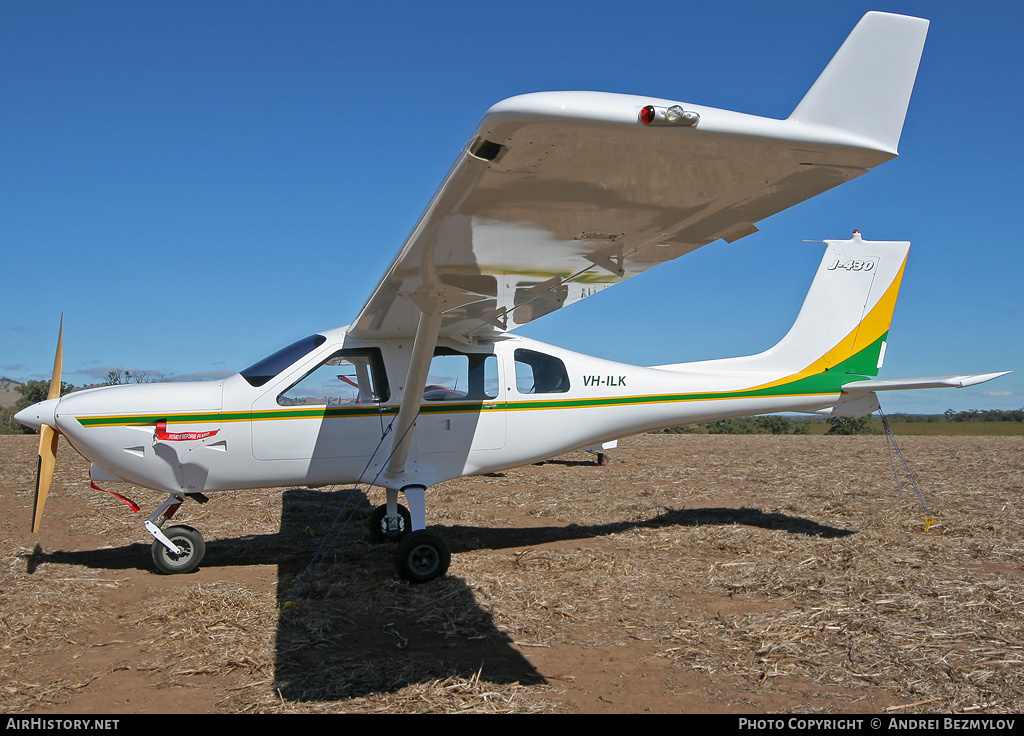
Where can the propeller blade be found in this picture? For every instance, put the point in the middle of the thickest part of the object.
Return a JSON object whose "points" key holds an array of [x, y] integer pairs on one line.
{"points": [[58, 364], [45, 464], [48, 437]]}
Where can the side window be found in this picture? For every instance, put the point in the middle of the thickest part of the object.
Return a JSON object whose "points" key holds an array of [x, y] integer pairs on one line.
{"points": [[354, 376], [456, 376], [537, 373]]}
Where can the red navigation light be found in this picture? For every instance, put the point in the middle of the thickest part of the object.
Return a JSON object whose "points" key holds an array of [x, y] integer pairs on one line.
{"points": [[647, 115]]}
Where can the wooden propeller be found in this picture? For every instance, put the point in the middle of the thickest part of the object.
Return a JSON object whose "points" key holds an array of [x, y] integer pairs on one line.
{"points": [[48, 437]]}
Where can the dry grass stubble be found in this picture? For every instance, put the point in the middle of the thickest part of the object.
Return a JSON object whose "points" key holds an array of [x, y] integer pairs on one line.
{"points": [[695, 572]]}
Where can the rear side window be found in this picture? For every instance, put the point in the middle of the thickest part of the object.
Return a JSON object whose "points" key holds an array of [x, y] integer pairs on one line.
{"points": [[456, 376], [538, 373]]}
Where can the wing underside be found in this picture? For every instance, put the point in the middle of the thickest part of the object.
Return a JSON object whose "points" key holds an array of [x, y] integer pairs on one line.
{"points": [[558, 196]]}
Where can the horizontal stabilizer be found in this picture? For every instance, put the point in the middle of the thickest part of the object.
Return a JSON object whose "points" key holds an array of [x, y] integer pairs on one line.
{"points": [[894, 384]]}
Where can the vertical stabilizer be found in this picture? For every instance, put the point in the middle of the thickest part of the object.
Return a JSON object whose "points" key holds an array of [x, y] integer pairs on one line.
{"points": [[865, 89], [843, 324], [844, 320]]}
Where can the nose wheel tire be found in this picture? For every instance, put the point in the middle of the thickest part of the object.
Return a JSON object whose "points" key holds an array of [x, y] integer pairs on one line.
{"points": [[192, 547], [422, 556], [379, 531]]}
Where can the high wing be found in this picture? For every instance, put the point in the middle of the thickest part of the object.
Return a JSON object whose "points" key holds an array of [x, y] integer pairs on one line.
{"points": [[559, 195]]}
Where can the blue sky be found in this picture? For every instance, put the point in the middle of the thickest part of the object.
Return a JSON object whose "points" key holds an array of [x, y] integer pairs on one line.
{"points": [[197, 184]]}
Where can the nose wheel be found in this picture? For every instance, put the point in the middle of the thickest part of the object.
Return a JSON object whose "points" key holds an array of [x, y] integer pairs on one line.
{"points": [[192, 548]]}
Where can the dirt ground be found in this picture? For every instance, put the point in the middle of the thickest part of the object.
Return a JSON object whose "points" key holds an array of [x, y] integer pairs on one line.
{"points": [[694, 573]]}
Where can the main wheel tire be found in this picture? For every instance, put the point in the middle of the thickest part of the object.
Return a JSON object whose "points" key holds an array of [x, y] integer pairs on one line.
{"points": [[378, 525], [191, 544], [422, 556]]}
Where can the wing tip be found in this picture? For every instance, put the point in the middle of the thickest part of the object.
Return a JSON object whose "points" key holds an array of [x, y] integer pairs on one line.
{"points": [[865, 90]]}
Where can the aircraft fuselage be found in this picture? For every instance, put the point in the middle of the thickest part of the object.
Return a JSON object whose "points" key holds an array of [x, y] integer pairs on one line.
{"points": [[324, 419]]}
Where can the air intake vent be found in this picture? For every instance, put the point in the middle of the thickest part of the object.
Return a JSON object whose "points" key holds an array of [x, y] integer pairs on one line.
{"points": [[486, 150]]}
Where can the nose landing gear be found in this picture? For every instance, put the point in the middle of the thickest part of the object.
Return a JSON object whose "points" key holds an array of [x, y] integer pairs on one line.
{"points": [[191, 548], [178, 549]]}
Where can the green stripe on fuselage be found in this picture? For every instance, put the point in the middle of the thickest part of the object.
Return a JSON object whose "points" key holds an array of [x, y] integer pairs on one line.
{"points": [[857, 367]]}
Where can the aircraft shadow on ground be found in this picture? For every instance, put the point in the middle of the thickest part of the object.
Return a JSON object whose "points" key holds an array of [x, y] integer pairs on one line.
{"points": [[502, 538], [356, 629], [565, 463]]}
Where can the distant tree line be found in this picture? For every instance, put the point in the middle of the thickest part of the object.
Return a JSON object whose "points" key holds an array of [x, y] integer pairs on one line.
{"points": [[851, 425], [769, 424], [971, 415], [985, 415], [772, 424]]}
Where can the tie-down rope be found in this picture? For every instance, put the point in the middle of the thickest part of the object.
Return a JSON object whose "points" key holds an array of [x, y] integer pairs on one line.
{"points": [[893, 446]]}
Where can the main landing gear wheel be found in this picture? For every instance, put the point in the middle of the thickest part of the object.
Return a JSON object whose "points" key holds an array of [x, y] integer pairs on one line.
{"points": [[192, 547], [379, 531], [422, 556]]}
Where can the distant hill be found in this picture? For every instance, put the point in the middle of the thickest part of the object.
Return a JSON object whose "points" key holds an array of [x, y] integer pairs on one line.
{"points": [[9, 391]]}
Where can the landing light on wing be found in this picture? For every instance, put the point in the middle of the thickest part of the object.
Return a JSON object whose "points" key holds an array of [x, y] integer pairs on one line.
{"points": [[674, 115]]}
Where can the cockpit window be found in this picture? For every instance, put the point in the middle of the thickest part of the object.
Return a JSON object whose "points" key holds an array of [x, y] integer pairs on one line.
{"points": [[348, 377], [537, 373], [261, 372]]}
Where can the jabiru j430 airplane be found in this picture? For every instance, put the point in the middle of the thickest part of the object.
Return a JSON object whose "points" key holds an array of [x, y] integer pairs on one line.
{"points": [[557, 196]]}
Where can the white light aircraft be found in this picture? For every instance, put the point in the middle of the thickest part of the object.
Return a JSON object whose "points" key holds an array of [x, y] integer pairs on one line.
{"points": [[557, 196]]}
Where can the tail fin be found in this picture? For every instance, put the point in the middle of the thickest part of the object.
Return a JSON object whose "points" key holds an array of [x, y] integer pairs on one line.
{"points": [[840, 332], [844, 321], [838, 339], [865, 89]]}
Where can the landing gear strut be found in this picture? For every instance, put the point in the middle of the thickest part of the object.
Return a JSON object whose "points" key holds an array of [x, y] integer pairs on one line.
{"points": [[420, 556]]}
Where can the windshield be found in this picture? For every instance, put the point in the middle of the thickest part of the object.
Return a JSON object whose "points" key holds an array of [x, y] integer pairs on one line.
{"points": [[261, 372]]}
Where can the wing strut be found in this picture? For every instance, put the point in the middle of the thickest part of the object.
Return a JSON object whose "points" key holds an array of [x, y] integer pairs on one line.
{"points": [[427, 329]]}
